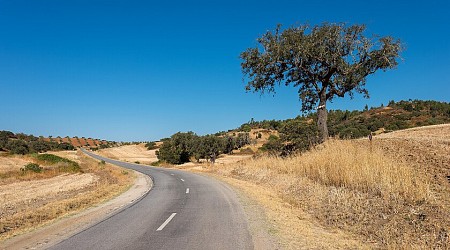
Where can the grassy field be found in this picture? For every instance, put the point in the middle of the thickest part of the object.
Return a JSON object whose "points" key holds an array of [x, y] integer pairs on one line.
{"points": [[390, 193], [65, 185]]}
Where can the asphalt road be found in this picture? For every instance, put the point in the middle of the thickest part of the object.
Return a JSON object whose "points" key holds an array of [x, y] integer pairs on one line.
{"points": [[182, 211]]}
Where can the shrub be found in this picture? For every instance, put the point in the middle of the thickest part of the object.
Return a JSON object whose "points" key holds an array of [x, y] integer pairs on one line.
{"points": [[274, 144], [32, 167], [151, 145], [64, 165], [17, 147], [65, 146], [39, 146]]}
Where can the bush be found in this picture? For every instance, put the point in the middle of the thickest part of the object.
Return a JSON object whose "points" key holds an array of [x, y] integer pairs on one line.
{"points": [[32, 167], [273, 144], [65, 146], [151, 145], [64, 165], [39, 146], [17, 147]]}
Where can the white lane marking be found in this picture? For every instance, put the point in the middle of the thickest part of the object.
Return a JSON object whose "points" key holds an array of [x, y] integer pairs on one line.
{"points": [[166, 222], [172, 174], [181, 179], [187, 190]]}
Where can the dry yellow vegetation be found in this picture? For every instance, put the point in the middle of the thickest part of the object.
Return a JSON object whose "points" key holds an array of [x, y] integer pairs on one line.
{"points": [[130, 153], [29, 200], [392, 192]]}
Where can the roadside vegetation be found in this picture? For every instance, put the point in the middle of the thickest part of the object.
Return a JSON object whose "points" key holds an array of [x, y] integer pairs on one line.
{"points": [[391, 192], [301, 133], [49, 187], [372, 192], [182, 147], [286, 137]]}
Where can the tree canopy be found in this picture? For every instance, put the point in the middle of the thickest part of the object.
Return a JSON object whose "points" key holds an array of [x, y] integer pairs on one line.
{"points": [[323, 61]]}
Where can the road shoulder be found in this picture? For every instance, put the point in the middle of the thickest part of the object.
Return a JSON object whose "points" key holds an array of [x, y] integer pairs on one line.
{"points": [[264, 235]]}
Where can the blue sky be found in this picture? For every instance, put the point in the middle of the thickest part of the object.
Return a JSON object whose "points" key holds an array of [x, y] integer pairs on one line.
{"points": [[143, 70]]}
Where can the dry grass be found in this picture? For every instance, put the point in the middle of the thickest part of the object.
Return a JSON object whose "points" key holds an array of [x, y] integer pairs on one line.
{"points": [[292, 227], [130, 153], [10, 163], [99, 182], [350, 165], [385, 194]]}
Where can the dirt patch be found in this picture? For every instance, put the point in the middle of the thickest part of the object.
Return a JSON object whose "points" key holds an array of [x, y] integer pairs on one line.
{"points": [[54, 233], [30, 200], [130, 153], [26, 195]]}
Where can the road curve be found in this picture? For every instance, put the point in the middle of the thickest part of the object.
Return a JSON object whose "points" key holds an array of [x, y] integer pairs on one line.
{"points": [[182, 211]]}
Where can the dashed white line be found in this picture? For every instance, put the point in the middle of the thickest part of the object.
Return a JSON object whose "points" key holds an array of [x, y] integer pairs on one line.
{"points": [[187, 190], [172, 174], [181, 179], [166, 222]]}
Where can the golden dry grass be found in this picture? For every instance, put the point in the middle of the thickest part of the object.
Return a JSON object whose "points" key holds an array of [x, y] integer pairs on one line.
{"points": [[130, 153], [12, 162], [385, 194], [102, 182], [350, 165]]}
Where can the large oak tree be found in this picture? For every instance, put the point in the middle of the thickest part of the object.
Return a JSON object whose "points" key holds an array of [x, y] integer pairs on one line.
{"points": [[323, 61]]}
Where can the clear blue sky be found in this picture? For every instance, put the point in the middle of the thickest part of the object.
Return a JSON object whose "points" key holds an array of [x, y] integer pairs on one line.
{"points": [[143, 70]]}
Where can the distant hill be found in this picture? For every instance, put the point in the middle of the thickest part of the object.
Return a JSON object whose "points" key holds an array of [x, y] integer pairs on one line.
{"points": [[301, 132], [79, 142], [21, 143]]}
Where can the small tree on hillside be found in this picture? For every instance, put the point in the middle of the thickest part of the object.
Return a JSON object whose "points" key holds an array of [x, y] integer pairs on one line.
{"points": [[323, 61]]}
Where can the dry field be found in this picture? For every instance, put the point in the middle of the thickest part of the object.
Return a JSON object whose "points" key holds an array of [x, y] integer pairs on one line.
{"points": [[29, 200], [392, 193], [12, 163], [130, 153]]}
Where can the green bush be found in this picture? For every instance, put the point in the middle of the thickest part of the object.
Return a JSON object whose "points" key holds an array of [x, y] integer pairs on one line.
{"points": [[65, 146], [64, 165], [18, 147], [273, 145], [151, 145], [32, 167], [39, 146]]}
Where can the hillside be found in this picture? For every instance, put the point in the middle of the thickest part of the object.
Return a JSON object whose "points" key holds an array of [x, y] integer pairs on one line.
{"points": [[301, 132], [130, 153], [392, 192], [20, 143]]}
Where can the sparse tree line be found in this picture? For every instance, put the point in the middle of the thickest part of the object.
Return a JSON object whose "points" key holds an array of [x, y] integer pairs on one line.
{"points": [[184, 147], [23, 144], [301, 132]]}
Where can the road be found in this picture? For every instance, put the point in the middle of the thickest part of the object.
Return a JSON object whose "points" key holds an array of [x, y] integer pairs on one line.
{"points": [[182, 211]]}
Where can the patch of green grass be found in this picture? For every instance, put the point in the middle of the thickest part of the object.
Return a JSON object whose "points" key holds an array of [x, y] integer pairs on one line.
{"points": [[64, 165], [32, 167]]}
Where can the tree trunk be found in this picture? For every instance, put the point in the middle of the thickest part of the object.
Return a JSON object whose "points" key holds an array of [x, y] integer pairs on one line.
{"points": [[322, 116]]}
